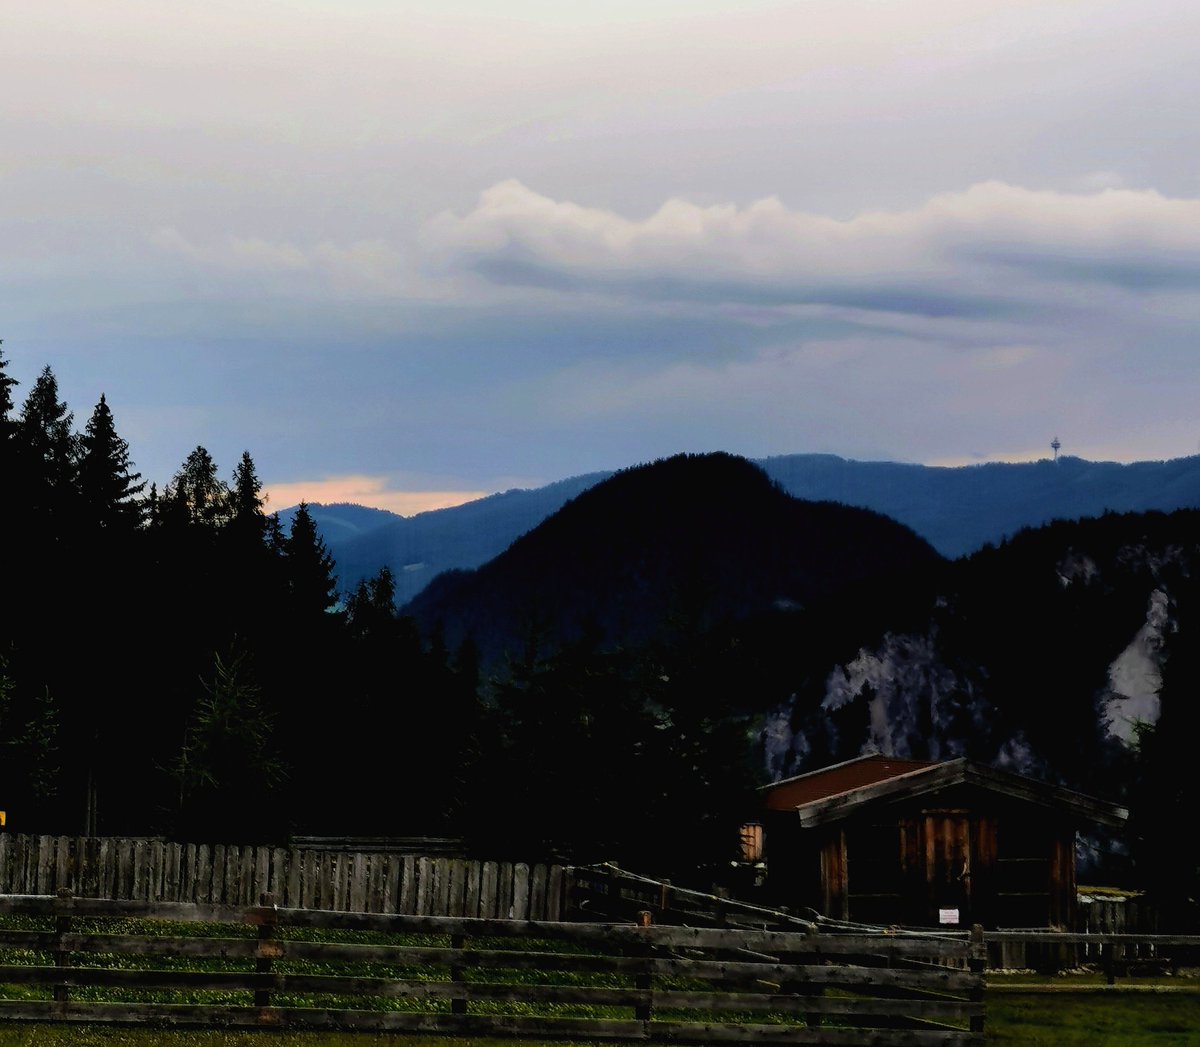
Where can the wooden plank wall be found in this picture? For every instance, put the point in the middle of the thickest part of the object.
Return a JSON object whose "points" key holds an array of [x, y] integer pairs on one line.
{"points": [[228, 874], [1117, 916], [1094, 916]]}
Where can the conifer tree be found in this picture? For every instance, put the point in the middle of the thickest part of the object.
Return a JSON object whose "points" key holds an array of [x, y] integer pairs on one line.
{"points": [[276, 539], [246, 500], [108, 563], [371, 608], [196, 494], [309, 566], [229, 770], [47, 447], [107, 482], [152, 506]]}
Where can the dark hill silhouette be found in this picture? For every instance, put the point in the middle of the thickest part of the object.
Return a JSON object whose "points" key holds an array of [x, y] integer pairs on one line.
{"points": [[704, 537]]}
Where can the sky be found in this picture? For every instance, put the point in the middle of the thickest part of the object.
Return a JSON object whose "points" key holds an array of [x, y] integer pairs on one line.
{"points": [[407, 253]]}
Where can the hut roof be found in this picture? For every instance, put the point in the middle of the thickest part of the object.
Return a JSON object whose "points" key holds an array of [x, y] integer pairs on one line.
{"points": [[834, 793]]}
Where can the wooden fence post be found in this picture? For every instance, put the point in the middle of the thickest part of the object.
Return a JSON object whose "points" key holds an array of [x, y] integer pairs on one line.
{"points": [[644, 980], [266, 951], [812, 1018], [62, 926], [612, 892], [1108, 960], [458, 1005], [977, 964]]}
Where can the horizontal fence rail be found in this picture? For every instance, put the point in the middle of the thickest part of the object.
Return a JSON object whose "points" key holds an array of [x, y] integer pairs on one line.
{"points": [[298, 877], [1113, 953], [607, 892], [98, 960]]}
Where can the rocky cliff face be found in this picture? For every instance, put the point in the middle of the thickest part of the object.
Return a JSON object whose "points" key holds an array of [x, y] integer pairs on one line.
{"points": [[1136, 674], [1043, 656]]}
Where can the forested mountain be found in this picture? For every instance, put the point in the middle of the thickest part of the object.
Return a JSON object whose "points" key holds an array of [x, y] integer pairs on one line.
{"points": [[698, 539], [957, 510]]}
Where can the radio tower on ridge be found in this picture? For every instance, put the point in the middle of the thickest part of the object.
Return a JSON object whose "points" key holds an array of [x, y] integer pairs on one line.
{"points": [[1054, 446]]}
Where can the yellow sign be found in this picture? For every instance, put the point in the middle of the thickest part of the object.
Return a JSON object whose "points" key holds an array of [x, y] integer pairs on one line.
{"points": [[3, 819]]}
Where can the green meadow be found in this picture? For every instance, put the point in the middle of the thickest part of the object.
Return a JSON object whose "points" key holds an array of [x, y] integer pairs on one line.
{"points": [[1059, 1019]]}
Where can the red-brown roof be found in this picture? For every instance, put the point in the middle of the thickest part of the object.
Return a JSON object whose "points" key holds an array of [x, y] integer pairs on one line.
{"points": [[791, 793], [835, 793]]}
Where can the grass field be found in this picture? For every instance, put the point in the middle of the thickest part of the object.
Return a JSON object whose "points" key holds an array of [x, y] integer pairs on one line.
{"points": [[1065, 1019], [1061, 1019]]}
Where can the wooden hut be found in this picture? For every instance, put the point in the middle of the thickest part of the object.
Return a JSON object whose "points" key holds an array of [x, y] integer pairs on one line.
{"points": [[892, 841]]}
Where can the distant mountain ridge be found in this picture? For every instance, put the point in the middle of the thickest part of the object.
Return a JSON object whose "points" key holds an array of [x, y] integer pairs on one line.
{"points": [[956, 509], [419, 548], [959, 509]]}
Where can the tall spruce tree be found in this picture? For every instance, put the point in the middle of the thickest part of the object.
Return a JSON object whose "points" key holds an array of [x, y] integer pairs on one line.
{"points": [[110, 517], [44, 524], [309, 566], [107, 482], [196, 494], [48, 452], [254, 570], [246, 501]]}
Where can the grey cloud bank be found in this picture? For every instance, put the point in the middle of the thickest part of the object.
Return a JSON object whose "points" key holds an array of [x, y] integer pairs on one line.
{"points": [[955, 239]]}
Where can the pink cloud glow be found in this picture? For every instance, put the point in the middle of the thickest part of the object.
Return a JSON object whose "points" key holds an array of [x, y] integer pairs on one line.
{"points": [[364, 490]]}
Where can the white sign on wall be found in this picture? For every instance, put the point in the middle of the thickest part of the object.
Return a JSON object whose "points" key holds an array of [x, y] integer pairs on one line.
{"points": [[948, 916]]}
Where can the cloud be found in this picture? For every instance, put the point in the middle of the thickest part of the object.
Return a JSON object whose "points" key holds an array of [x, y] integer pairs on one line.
{"points": [[986, 251], [364, 265], [364, 490]]}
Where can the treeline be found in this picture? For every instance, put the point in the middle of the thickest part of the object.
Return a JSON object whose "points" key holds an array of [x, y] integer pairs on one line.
{"points": [[174, 661]]}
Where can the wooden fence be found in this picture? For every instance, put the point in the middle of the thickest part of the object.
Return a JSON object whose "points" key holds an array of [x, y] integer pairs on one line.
{"points": [[1124, 954], [1118, 936], [97, 960], [1131, 923], [302, 878]]}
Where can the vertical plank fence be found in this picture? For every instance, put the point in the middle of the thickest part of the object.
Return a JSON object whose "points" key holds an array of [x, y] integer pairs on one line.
{"points": [[300, 878]]}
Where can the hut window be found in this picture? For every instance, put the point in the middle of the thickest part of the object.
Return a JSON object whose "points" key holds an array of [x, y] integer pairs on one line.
{"points": [[752, 842]]}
